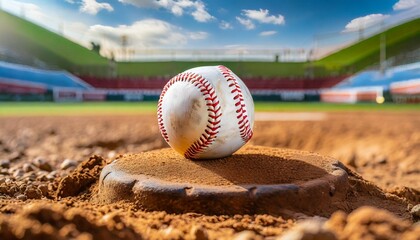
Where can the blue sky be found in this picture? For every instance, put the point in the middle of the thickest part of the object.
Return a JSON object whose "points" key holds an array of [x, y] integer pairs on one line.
{"points": [[208, 23]]}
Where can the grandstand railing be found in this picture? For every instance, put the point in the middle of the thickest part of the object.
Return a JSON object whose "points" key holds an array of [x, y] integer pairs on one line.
{"points": [[253, 83]]}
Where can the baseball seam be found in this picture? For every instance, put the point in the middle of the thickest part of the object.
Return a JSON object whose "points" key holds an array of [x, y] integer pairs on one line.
{"points": [[245, 129], [213, 109]]}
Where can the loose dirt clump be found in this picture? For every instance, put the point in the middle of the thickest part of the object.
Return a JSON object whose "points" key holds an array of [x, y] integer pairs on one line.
{"points": [[81, 178], [363, 223], [371, 223], [38, 221]]}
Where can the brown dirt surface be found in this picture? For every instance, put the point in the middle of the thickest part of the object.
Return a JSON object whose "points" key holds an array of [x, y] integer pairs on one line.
{"points": [[371, 223], [250, 165], [48, 179]]}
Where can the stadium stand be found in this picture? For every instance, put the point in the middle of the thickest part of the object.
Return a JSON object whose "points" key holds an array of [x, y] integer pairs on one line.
{"points": [[406, 91], [19, 82], [370, 86], [284, 89], [376, 78], [122, 83], [353, 95], [21, 87], [49, 78]]}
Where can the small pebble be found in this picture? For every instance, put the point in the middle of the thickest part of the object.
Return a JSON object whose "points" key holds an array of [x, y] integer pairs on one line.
{"points": [[4, 171], [245, 235], [113, 217], [15, 156], [11, 170], [5, 163], [415, 211], [21, 197], [8, 181], [112, 154], [381, 160], [172, 233], [42, 164], [44, 189], [309, 229], [28, 167], [52, 175], [31, 176], [199, 233], [32, 192], [68, 163], [18, 173]]}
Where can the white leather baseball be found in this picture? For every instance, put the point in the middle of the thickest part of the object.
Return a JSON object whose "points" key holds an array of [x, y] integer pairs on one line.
{"points": [[206, 112]]}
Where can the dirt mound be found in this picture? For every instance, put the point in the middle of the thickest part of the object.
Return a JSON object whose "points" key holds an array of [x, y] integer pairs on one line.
{"points": [[251, 165], [254, 180]]}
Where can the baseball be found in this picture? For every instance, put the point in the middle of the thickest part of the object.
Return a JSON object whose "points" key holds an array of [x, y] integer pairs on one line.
{"points": [[206, 112]]}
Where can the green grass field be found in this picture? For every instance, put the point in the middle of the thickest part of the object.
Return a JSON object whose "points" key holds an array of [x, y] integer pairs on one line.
{"points": [[135, 108], [58, 51]]}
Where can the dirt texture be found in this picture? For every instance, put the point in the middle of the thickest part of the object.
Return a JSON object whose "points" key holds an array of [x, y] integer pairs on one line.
{"points": [[250, 165], [50, 167]]}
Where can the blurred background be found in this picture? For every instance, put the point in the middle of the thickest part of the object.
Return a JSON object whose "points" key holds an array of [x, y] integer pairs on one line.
{"points": [[288, 51]]}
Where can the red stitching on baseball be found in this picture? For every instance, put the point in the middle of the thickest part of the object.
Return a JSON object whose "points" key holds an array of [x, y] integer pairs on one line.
{"points": [[242, 116], [213, 109]]}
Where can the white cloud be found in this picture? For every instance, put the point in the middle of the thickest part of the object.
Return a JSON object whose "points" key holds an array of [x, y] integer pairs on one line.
{"points": [[200, 14], [93, 7], [197, 9], [31, 12], [267, 33], [71, 1], [246, 22], [177, 10], [406, 4], [198, 35], [141, 34], [263, 16], [145, 3], [225, 25], [364, 22]]}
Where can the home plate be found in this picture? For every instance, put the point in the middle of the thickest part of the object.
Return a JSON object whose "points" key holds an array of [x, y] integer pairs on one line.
{"points": [[253, 180]]}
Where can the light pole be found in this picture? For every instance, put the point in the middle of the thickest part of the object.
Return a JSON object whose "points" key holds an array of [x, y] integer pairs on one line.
{"points": [[382, 53], [124, 41], [382, 49]]}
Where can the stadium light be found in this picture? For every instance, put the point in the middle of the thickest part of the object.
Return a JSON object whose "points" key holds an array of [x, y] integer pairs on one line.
{"points": [[380, 99]]}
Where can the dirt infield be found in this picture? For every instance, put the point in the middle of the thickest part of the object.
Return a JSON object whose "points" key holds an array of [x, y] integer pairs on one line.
{"points": [[46, 192]]}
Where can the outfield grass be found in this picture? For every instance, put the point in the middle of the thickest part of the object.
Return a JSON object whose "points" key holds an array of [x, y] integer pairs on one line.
{"points": [[242, 68], [134, 108]]}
